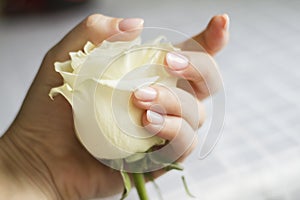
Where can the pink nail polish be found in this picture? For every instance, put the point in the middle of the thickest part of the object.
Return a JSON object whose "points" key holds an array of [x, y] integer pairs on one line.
{"points": [[154, 117], [130, 23], [176, 61], [145, 94]]}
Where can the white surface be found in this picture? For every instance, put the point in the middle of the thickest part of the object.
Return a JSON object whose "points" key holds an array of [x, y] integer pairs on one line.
{"points": [[258, 155]]}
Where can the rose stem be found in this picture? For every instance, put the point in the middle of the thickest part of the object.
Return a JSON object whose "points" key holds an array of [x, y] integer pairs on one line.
{"points": [[139, 182]]}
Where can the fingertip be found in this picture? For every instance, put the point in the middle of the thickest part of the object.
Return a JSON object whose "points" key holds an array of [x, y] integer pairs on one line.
{"points": [[220, 22], [130, 24], [152, 128], [145, 94], [154, 117], [216, 35], [176, 61], [127, 29]]}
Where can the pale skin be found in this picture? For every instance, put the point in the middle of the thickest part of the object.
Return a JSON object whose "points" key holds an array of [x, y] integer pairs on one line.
{"points": [[40, 156]]}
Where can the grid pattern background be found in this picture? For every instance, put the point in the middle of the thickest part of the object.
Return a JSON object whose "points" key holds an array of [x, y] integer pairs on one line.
{"points": [[258, 155]]}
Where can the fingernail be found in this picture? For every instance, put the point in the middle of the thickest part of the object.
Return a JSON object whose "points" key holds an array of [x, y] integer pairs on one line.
{"points": [[130, 23], [226, 21], [154, 117], [145, 94], [176, 61]]}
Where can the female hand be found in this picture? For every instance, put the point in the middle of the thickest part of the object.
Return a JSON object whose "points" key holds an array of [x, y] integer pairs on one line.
{"points": [[40, 156]]}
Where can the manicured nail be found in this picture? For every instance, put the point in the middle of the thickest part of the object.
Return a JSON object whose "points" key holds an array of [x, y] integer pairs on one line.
{"points": [[227, 21], [145, 94], [130, 23], [154, 117], [176, 61]]}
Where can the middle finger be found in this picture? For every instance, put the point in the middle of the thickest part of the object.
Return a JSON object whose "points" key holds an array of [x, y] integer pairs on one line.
{"points": [[170, 101]]}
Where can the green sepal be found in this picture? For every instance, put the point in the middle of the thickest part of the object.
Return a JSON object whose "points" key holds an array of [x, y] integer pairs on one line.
{"points": [[127, 184], [175, 166], [186, 188]]}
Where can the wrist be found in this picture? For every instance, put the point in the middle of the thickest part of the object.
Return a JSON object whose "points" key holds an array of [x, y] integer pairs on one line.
{"points": [[22, 174]]}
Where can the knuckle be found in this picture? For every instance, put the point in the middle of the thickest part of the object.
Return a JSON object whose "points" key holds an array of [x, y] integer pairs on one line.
{"points": [[91, 21], [99, 27], [50, 55]]}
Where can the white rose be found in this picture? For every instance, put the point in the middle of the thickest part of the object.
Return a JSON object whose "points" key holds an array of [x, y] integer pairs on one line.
{"points": [[98, 83]]}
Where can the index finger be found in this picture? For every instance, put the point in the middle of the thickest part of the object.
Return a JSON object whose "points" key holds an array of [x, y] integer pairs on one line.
{"points": [[96, 28]]}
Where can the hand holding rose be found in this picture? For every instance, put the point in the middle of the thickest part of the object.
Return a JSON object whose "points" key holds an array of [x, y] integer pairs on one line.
{"points": [[40, 156]]}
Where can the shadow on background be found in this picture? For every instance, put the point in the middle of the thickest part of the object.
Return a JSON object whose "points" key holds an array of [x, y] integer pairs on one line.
{"points": [[18, 8]]}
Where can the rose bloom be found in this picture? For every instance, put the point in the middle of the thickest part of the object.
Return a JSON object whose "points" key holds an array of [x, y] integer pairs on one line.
{"points": [[99, 82]]}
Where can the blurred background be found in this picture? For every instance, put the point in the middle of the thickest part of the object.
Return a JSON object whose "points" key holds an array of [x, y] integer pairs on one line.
{"points": [[258, 156]]}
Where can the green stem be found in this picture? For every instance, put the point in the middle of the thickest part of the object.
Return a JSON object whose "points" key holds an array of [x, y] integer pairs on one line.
{"points": [[139, 182]]}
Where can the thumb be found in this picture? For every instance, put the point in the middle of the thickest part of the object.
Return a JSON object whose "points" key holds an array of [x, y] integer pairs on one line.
{"points": [[213, 38], [216, 35]]}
